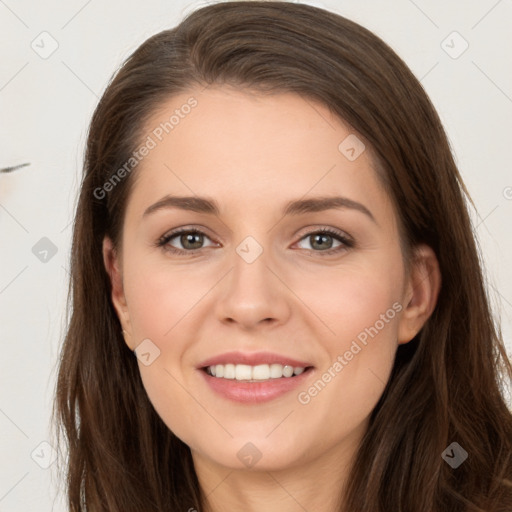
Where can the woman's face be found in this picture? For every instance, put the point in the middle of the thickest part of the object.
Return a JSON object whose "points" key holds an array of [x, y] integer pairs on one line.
{"points": [[259, 285]]}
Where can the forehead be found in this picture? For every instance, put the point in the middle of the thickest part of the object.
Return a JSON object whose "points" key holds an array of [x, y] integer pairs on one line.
{"points": [[250, 150]]}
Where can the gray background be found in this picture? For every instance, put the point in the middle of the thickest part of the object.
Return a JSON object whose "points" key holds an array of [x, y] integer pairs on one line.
{"points": [[46, 102]]}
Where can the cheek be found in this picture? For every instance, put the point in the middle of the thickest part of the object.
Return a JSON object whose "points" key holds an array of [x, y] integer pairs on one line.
{"points": [[353, 301], [160, 296], [361, 307], [174, 403], [162, 303]]}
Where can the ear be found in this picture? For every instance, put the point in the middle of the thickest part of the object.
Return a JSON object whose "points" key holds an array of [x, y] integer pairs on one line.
{"points": [[422, 290], [113, 266]]}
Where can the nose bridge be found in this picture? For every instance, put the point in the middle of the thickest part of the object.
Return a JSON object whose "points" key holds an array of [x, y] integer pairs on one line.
{"points": [[251, 276], [251, 262], [252, 291]]}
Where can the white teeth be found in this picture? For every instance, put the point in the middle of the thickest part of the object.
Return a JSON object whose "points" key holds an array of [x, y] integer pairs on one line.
{"points": [[258, 372], [276, 371], [261, 372], [229, 371], [243, 372], [287, 371]]}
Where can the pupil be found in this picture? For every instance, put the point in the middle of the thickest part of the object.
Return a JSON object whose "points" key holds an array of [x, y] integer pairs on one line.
{"points": [[322, 237], [190, 238]]}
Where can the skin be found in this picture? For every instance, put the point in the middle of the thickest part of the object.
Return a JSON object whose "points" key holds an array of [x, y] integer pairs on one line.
{"points": [[252, 154]]}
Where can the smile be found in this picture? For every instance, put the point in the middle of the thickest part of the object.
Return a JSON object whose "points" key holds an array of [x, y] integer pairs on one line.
{"points": [[245, 372]]}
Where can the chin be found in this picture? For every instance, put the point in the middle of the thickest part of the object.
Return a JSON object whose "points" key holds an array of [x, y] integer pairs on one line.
{"points": [[252, 454]]}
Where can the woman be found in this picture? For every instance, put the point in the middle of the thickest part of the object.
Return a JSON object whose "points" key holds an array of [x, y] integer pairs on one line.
{"points": [[326, 342]]}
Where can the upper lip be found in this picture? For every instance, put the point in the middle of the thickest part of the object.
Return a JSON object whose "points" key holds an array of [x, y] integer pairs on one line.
{"points": [[253, 359]]}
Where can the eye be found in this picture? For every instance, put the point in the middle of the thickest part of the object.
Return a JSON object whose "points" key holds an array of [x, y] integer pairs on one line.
{"points": [[191, 241], [323, 239]]}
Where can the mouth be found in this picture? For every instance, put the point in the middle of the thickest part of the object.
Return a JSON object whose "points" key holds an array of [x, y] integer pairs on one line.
{"points": [[254, 373], [252, 378]]}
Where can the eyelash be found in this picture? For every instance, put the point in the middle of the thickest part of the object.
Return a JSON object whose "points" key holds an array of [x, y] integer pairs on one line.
{"points": [[164, 240]]}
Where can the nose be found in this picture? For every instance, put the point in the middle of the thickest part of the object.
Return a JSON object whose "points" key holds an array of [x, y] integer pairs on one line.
{"points": [[253, 293]]}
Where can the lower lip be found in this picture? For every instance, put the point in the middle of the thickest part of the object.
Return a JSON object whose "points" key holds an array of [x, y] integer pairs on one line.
{"points": [[254, 392]]}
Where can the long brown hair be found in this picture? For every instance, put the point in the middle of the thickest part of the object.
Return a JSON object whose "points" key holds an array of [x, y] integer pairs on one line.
{"points": [[446, 384]]}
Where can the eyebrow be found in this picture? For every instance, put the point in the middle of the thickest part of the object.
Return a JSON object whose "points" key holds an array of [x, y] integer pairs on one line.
{"points": [[298, 207]]}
